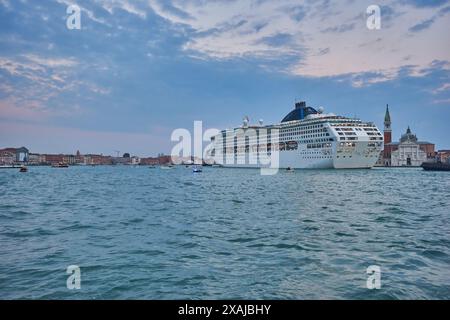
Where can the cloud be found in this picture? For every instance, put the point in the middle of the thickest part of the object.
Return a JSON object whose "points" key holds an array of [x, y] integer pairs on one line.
{"points": [[88, 12], [428, 22], [47, 73], [426, 3], [443, 88], [340, 29], [442, 101], [277, 40], [166, 8], [32, 82], [294, 30], [131, 7], [422, 26], [5, 4], [51, 62]]}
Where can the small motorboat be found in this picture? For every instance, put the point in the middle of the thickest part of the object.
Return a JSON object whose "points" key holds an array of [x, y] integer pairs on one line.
{"points": [[289, 169], [167, 167], [197, 169], [23, 169], [60, 165], [152, 167]]}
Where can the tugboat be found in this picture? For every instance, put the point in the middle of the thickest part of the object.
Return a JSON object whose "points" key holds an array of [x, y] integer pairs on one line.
{"points": [[23, 169], [436, 166]]}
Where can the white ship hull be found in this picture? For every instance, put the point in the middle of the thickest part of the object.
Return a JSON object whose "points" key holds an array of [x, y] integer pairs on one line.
{"points": [[354, 159]]}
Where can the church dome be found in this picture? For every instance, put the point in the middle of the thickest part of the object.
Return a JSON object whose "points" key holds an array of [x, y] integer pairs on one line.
{"points": [[408, 136]]}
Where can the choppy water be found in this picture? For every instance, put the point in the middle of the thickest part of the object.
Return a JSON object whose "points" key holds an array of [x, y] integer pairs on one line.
{"points": [[140, 233]]}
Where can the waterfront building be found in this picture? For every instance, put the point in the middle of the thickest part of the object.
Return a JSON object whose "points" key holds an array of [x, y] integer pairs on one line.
{"points": [[409, 151], [7, 157], [96, 159], [69, 159], [443, 155], [36, 158], [161, 159], [149, 161], [79, 158], [13, 155], [53, 158], [121, 160]]}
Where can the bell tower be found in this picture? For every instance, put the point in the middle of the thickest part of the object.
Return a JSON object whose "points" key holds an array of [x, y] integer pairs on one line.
{"points": [[387, 127], [387, 137]]}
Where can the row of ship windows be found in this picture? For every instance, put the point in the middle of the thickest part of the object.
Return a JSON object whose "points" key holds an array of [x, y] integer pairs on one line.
{"points": [[355, 127], [322, 152], [375, 144], [342, 124], [307, 136], [344, 129], [290, 129], [319, 157], [354, 133], [232, 144], [356, 138], [373, 133], [318, 145], [282, 146], [316, 140], [347, 133], [303, 131], [293, 145], [347, 144], [314, 129]]}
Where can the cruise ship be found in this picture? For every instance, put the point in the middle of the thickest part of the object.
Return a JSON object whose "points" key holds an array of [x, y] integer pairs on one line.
{"points": [[306, 138]]}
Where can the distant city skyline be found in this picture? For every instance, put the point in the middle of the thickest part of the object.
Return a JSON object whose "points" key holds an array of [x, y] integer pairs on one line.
{"points": [[137, 70]]}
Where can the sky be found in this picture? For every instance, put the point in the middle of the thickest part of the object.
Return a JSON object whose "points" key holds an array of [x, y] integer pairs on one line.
{"points": [[137, 70]]}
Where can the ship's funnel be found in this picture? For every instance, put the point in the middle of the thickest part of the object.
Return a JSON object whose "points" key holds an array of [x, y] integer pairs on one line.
{"points": [[301, 104]]}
